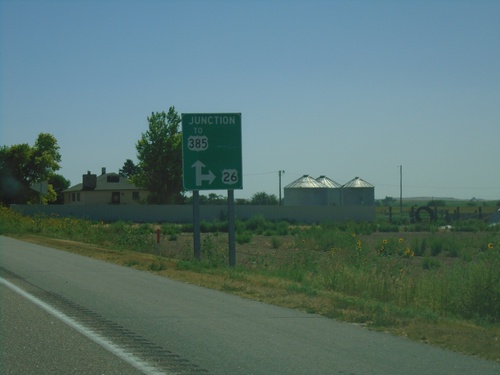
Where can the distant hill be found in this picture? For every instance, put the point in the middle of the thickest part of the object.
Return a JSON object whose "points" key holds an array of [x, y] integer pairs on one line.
{"points": [[446, 199], [427, 199]]}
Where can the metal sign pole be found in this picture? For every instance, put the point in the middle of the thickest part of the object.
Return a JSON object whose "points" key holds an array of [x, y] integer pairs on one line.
{"points": [[196, 224], [231, 229]]}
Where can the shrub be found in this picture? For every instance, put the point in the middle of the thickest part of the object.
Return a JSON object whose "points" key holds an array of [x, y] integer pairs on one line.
{"points": [[215, 226], [243, 237], [256, 224], [430, 264], [275, 242], [282, 228], [157, 265]]}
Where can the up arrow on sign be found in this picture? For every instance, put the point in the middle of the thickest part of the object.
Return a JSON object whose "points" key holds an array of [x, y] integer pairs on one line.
{"points": [[210, 177]]}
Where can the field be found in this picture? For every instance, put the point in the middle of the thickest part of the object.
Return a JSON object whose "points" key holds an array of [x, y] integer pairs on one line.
{"points": [[439, 286]]}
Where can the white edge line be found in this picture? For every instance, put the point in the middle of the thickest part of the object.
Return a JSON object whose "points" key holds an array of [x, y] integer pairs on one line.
{"points": [[97, 338]]}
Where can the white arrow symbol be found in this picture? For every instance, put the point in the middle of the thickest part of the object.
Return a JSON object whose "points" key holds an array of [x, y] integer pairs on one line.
{"points": [[210, 177]]}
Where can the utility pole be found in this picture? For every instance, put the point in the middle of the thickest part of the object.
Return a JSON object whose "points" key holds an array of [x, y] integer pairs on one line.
{"points": [[279, 174], [401, 189]]}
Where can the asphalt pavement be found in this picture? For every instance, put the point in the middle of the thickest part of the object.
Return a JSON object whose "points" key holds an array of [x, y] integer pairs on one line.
{"points": [[34, 341]]}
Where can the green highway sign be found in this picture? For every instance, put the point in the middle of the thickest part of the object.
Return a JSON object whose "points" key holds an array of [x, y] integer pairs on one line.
{"points": [[211, 151]]}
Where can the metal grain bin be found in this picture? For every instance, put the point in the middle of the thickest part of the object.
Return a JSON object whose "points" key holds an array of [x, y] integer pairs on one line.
{"points": [[358, 192], [305, 191], [333, 192]]}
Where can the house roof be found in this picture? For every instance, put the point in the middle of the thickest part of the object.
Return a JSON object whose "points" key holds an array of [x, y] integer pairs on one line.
{"points": [[107, 182]]}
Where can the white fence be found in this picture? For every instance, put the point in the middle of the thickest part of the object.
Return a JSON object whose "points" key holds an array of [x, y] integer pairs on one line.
{"points": [[184, 213]]}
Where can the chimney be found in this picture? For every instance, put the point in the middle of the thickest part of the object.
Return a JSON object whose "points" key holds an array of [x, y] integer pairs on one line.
{"points": [[103, 170], [89, 181]]}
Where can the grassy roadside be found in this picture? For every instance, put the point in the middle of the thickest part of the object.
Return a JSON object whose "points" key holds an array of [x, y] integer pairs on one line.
{"points": [[422, 325]]}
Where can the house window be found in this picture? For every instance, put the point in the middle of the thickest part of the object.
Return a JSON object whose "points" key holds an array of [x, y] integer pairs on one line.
{"points": [[135, 195], [73, 197], [113, 178], [115, 197], [78, 197]]}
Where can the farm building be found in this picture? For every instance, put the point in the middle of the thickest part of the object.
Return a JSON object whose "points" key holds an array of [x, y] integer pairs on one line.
{"points": [[358, 192], [305, 191], [333, 192], [323, 191]]}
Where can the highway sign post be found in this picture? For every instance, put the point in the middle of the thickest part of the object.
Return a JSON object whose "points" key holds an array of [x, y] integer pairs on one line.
{"points": [[212, 160]]}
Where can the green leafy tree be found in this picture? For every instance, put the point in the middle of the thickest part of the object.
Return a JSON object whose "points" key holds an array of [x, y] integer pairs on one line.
{"points": [[216, 199], [263, 199], [13, 162], [159, 152], [58, 184], [45, 157], [129, 169], [22, 165]]}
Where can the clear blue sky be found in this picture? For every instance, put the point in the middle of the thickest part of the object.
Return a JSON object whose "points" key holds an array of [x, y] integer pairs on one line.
{"points": [[335, 88]]}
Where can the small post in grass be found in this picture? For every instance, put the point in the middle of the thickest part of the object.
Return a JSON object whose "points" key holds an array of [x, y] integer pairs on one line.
{"points": [[231, 228], [158, 241], [196, 224]]}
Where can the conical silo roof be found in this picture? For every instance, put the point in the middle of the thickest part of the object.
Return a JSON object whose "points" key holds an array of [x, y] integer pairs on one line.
{"points": [[357, 182], [305, 181], [328, 182]]}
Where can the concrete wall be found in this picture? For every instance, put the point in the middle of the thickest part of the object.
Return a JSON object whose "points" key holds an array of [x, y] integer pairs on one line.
{"points": [[184, 213]]}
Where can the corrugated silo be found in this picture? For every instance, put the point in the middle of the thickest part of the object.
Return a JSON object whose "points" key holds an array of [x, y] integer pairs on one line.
{"points": [[333, 192], [358, 192], [305, 191]]}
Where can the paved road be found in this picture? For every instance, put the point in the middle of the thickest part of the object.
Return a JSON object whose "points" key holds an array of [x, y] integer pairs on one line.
{"points": [[37, 342], [183, 328]]}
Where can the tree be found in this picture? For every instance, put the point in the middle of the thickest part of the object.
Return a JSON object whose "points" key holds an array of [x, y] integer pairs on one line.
{"points": [[58, 183], [45, 157], [159, 152], [13, 162], [22, 165], [263, 199], [215, 199], [129, 169]]}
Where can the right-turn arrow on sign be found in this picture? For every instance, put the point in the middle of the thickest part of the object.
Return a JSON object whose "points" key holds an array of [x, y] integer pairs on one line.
{"points": [[211, 151], [200, 177]]}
